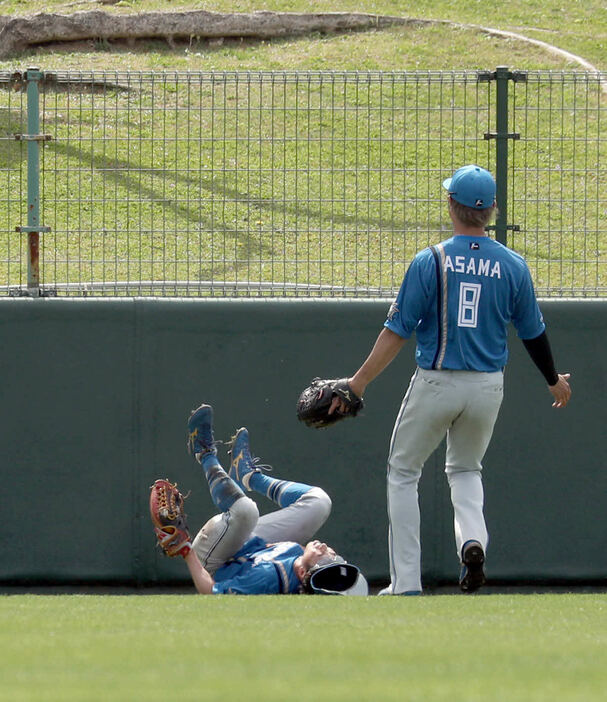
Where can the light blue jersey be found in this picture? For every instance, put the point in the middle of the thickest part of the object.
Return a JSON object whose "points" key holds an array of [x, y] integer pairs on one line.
{"points": [[260, 569], [459, 297]]}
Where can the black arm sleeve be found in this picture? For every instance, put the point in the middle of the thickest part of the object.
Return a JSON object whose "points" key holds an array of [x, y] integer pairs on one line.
{"points": [[541, 355]]}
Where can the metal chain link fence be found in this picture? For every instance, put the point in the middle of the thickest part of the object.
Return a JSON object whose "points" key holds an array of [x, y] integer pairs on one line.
{"points": [[284, 184]]}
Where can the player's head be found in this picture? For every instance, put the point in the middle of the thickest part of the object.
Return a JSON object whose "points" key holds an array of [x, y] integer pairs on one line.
{"points": [[471, 195], [324, 572]]}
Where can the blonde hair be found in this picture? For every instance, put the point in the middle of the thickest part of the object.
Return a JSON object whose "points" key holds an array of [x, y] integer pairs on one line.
{"points": [[471, 217]]}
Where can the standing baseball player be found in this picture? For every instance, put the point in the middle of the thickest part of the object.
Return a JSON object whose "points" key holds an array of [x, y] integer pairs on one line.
{"points": [[458, 297], [239, 552]]}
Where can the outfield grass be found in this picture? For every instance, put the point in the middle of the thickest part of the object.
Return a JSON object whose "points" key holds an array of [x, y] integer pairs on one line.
{"points": [[502, 648]]}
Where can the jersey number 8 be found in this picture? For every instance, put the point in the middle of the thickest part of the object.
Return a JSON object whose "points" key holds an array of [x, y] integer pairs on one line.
{"points": [[469, 296]]}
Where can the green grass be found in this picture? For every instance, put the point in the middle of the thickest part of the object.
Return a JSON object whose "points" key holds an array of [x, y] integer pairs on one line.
{"points": [[315, 195], [503, 648], [576, 26]]}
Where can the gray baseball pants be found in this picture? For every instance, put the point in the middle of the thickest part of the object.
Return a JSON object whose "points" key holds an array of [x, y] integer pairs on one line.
{"points": [[463, 405], [225, 533]]}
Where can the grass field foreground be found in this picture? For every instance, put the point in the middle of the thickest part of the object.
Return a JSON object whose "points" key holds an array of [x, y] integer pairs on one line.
{"points": [[509, 648]]}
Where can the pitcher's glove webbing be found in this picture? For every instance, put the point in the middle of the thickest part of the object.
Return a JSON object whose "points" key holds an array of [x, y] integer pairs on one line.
{"points": [[314, 402], [169, 519]]}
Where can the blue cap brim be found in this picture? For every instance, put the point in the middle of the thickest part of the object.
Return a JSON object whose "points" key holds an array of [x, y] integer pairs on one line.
{"points": [[447, 183]]}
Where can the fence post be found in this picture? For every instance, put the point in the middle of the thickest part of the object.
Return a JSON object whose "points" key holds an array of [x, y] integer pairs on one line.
{"points": [[33, 139], [502, 77], [501, 152]]}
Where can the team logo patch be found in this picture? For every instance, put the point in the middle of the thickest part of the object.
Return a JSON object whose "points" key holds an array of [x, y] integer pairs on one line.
{"points": [[474, 245], [393, 311]]}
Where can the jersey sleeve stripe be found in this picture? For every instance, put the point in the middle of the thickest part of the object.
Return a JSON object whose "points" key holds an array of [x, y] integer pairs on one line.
{"points": [[283, 576]]}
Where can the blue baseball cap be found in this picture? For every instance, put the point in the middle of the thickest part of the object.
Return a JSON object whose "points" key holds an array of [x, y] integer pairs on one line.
{"points": [[472, 186]]}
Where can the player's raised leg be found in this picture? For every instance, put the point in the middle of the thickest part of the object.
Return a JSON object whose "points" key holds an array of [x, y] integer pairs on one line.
{"points": [[467, 442], [225, 533], [303, 508]]}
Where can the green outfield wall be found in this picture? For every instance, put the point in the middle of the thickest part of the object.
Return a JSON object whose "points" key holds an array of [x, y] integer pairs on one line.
{"points": [[96, 394]]}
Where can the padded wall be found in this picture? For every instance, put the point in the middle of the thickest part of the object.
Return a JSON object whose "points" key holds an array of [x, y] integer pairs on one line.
{"points": [[96, 394]]}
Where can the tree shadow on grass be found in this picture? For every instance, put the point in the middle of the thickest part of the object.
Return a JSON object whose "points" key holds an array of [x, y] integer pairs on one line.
{"points": [[120, 172]]}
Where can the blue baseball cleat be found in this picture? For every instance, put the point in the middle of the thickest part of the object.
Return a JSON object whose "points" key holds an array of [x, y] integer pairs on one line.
{"points": [[472, 574], [200, 432], [243, 465]]}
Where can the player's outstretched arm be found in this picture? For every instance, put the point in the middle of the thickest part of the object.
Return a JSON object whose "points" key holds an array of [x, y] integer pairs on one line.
{"points": [[561, 390], [203, 581], [384, 351]]}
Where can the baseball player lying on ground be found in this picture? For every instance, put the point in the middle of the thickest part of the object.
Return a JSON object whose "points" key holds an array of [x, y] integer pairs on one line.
{"points": [[239, 552]]}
